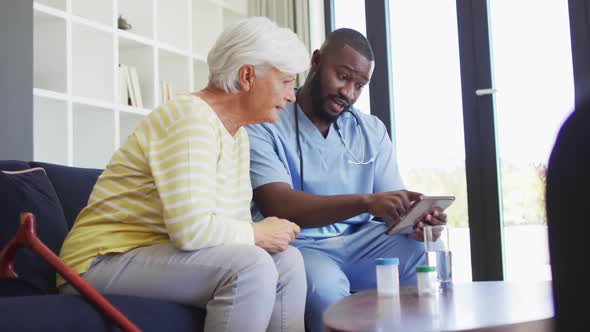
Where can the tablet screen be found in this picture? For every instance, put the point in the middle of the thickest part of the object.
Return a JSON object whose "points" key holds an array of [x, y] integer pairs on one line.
{"points": [[417, 210]]}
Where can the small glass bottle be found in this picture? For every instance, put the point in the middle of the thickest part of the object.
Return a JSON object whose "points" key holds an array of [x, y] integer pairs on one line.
{"points": [[427, 283], [387, 276]]}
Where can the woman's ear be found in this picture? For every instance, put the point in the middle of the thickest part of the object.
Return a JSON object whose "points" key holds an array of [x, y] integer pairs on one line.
{"points": [[246, 77]]}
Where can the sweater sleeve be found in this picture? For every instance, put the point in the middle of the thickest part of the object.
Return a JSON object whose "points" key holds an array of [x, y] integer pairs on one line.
{"points": [[183, 163]]}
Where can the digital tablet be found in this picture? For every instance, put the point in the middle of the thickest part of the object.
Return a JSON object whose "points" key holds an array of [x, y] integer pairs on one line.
{"points": [[419, 208]]}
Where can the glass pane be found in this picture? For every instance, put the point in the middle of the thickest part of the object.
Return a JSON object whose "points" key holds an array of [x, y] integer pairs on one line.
{"points": [[533, 73], [428, 115], [351, 14]]}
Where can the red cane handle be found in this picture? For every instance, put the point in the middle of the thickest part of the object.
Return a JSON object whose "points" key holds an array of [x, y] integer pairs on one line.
{"points": [[7, 260]]}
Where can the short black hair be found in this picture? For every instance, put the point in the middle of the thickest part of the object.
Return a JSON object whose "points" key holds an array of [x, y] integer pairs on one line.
{"points": [[352, 38]]}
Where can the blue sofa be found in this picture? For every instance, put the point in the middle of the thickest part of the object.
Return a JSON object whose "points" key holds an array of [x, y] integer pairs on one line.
{"points": [[31, 302]]}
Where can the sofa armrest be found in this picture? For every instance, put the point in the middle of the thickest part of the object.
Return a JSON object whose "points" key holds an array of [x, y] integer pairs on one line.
{"points": [[27, 236]]}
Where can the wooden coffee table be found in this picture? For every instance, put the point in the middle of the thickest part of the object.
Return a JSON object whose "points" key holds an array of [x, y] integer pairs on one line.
{"points": [[476, 306]]}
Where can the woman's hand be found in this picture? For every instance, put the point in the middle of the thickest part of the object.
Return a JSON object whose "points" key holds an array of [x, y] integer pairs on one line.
{"points": [[274, 235]]}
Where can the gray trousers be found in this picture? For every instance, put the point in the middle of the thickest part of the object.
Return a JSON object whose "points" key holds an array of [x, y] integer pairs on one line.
{"points": [[242, 287]]}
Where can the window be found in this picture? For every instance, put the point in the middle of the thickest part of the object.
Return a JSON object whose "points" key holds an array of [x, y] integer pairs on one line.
{"points": [[442, 55], [428, 111], [351, 14], [532, 67]]}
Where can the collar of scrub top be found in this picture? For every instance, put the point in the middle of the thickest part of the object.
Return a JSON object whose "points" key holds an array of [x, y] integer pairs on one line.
{"points": [[351, 113]]}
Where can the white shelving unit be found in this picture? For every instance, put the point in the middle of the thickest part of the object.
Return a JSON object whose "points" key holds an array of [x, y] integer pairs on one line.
{"points": [[79, 119]]}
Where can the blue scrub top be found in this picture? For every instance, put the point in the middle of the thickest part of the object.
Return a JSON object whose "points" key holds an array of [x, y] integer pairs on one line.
{"points": [[327, 167]]}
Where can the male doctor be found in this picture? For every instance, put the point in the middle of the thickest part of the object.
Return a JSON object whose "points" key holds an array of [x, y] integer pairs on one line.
{"points": [[330, 169]]}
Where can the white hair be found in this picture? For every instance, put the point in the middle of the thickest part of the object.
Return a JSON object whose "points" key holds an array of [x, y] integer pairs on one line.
{"points": [[255, 41]]}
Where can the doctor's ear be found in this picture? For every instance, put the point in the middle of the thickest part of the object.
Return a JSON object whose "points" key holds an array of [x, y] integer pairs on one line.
{"points": [[315, 60], [246, 77]]}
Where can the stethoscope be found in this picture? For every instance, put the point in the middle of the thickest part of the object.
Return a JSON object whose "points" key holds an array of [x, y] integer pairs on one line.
{"points": [[355, 160]]}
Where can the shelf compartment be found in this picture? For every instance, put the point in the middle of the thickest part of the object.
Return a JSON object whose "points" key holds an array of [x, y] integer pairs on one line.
{"points": [[135, 37], [56, 4], [94, 135], [99, 11], [50, 94], [134, 110], [50, 131], [201, 74], [174, 68], [205, 14], [173, 23], [92, 63], [140, 56], [138, 13], [127, 124], [49, 52]]}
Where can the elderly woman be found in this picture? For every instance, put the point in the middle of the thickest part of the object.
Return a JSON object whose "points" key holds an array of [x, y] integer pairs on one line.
{"points": [[169, 218]]}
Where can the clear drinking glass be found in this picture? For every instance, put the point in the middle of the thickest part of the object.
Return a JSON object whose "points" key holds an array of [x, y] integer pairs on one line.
{"points": [[438, 253]]}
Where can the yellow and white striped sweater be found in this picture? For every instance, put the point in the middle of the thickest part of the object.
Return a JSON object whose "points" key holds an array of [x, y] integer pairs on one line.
{"points": [[180, 178]]}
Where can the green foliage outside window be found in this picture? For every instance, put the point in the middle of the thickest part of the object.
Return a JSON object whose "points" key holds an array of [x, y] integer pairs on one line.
{"points": [[523, 191]]}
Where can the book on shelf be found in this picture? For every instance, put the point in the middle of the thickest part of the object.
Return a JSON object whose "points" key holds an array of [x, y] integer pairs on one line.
{"points": [[129, 90], [165, 90], [136, 88], [123, 89]]}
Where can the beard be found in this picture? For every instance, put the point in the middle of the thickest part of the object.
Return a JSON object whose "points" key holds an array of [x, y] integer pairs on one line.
{"points": [[317, 102]]}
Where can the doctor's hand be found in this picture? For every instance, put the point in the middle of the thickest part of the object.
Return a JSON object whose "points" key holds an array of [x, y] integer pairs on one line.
{"points": [[274, 234], [433, 218], [391, 205]]}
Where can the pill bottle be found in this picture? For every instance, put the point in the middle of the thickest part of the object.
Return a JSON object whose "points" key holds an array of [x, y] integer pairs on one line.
{"points": [[427, 283], [387, 276]]}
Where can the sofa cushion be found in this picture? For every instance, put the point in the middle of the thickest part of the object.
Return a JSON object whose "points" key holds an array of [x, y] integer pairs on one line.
{"points": [[18, 287], [73, 186], [31, 191], [13, 165], [73, 313]]}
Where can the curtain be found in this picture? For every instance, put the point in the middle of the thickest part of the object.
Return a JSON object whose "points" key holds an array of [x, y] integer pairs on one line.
{"points": [[293, 14]]}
